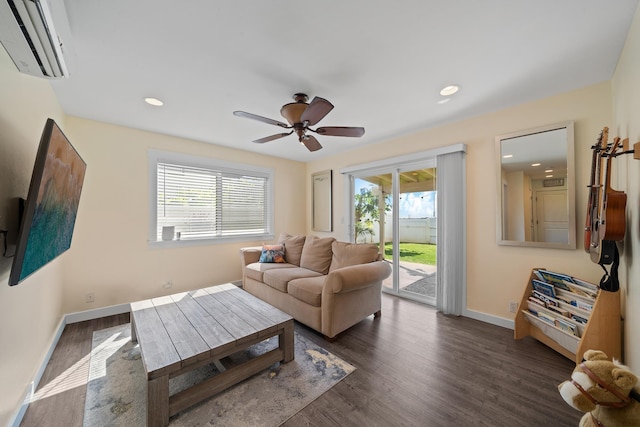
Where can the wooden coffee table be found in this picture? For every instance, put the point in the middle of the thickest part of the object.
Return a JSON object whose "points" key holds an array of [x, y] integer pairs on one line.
{"points": [[180, 332]]}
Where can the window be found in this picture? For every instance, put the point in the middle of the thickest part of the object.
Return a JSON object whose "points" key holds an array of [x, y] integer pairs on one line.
{"points": [[208, 200]]}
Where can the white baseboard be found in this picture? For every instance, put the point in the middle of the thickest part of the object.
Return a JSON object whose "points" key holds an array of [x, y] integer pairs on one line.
{"points": [[31, 388], [80, 316], [487, 318]]}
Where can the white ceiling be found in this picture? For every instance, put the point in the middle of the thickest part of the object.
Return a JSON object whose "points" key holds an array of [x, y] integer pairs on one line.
{"points": [[382, 64]]}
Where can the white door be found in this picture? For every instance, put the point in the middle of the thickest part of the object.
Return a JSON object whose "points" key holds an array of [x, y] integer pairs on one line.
{"points": [[552, 216]]}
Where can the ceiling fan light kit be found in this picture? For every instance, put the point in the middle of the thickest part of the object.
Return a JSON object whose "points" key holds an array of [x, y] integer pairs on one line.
{"points": [[300, 115]]}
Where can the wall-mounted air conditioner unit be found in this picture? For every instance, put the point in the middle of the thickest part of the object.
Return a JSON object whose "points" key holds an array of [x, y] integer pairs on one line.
{"points": [[28, 35]]}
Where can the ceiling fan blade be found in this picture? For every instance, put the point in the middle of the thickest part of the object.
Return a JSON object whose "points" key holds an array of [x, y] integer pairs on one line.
{"points": [[272, 137], [355, 132], [316, 111], [260, 119], [310, 142]]}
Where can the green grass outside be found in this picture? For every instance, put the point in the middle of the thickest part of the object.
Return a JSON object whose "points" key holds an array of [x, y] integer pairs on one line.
{"points": [[422, 253]]}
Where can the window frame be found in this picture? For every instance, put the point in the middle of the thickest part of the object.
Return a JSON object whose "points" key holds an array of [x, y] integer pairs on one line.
{"points": [[157, 156]]}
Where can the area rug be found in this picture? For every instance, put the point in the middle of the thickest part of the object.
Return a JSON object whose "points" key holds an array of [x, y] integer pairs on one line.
{"points": [[116, 387]]}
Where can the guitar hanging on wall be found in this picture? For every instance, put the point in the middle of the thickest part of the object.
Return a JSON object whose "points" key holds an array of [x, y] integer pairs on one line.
{"points": [[601, 252], [606, 217], [613, 222], [594, 188]]}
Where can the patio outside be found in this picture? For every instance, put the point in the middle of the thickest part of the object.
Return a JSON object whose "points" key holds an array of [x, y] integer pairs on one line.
{"points": [[417, 228], [417, 269]]}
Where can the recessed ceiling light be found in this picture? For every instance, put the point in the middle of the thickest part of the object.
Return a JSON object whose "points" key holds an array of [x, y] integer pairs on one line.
{"points": [[507, 156], [154, 101], [449, 90], [549, 176], [535, 164], [548, 171]]}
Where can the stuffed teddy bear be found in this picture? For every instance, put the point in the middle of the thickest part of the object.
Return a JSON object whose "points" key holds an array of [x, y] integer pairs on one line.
{"points": [[605, 390]]}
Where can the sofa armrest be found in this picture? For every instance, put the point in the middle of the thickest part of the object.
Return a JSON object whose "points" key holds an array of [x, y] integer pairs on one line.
{"points": [[249, 255], [355, 277]]}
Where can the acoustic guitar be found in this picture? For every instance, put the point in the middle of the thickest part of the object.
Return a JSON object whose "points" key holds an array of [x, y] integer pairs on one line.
{"points": [[600, 251], [613, 222], [594, 186]]}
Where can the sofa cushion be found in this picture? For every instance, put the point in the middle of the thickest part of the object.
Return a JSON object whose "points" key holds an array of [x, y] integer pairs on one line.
{"points": [[347, 254], [272, 253], [292, 247], [316, 254], [308, 290], [278, 278], [256, 270]]}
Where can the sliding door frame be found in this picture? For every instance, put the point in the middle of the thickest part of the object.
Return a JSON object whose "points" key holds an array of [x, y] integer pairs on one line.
{"points": [[394, 166]]}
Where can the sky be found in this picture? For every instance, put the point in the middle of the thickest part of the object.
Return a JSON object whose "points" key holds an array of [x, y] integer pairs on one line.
{"points": [[417, 205], [412, 205]]}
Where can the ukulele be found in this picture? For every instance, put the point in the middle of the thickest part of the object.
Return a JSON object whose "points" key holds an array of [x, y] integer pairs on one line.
{"points": [[613, 221], [594, 189], [601, 251]]}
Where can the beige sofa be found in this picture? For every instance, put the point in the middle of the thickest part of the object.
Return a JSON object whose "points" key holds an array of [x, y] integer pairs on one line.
{"points": [[326, 284]]}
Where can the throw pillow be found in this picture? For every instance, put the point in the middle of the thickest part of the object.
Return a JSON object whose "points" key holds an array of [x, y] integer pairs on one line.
{"points": [[292, 247], [316, 254], [272, 253], [347, 254]]}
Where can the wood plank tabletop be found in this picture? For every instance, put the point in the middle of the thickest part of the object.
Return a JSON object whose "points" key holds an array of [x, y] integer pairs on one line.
{"points": [[244, 312], [183, 329], [230, 320], [184, 336], [214, 334], [159, 354]]}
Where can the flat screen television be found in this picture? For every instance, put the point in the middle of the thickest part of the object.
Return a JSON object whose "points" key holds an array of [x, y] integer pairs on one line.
{"points": [[50, 210]]}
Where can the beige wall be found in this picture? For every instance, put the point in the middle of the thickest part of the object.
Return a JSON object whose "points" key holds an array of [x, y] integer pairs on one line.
{"points": [[496, 274], [110, 256], [31, 311], [626, 124]]}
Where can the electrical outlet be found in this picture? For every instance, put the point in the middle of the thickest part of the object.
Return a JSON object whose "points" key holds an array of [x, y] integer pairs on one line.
{"points": [[513, 307], [89, 297], [168, 284]]}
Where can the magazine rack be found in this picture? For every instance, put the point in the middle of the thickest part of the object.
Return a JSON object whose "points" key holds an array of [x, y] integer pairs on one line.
{"points": [[602, 331]]}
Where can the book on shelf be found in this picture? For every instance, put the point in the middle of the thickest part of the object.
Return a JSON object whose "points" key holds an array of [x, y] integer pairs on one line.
{"points": [[582, 290], [577, 314], [584, 303], [546, 299], [567, 326], [559, 280], [579, 319], [567, 283], [544, 288], [552, 317], [536, 301], [547, 318], [558, 310]]}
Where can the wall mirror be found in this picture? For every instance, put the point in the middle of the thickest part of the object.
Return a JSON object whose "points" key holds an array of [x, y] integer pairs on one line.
{"points": [[536, 188], [322, 217]]}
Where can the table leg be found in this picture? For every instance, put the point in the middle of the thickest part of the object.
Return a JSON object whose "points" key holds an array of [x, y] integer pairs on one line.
{"points": [[158, 402], [286, 342], [134, 336]]}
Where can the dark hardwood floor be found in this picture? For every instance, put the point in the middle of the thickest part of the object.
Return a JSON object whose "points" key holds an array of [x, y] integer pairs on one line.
{"points": [[415, 367]]}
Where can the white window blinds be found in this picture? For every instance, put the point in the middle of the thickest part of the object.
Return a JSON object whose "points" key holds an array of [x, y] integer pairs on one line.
{"points": [[206, 203]]}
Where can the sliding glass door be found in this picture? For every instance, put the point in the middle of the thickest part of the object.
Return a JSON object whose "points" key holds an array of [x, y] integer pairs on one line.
{"points": [[414, 207], [396, 208]]}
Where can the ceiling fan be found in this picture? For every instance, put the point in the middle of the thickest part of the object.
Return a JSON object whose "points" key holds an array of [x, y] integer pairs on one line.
{"points": [[300, 116]]}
